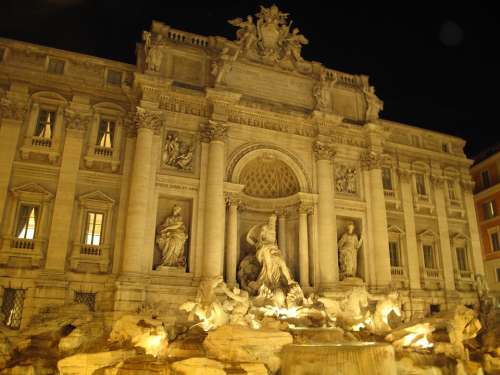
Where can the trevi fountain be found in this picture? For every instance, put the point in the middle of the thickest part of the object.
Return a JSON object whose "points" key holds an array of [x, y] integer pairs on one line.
{"points": [[226, 225]]}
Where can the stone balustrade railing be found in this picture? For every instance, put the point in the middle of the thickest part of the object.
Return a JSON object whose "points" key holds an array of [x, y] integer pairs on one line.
{"points": [[344, 78], [179, 36], [397, 271], [432, 273]]}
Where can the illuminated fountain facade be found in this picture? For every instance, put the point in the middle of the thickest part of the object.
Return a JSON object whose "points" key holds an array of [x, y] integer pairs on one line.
{"points": [[232, 178]]}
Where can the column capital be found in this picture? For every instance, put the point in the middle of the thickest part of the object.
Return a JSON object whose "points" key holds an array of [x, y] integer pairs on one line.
{"points": [[76, 121], [468, 185], [305, 208], [323, 151], [232, 199], [371, 160], [213, 131], [11, 109], [438, 181], [148, 119], [281, 212]]}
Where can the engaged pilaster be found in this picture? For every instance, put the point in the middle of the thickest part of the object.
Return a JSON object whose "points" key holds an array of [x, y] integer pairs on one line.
{"points": [[232, 239], [327, 226], [147, 123], [304, 211]]}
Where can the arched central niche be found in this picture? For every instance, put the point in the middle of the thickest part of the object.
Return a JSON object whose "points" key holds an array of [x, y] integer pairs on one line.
{"points": [[266, 176]]}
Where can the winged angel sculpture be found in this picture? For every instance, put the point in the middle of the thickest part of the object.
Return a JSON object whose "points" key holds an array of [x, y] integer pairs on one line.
{"points": [[270, 37]]}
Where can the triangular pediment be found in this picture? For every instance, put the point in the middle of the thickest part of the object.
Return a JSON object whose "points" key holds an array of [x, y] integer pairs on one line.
{"points": [[428, 233], [459, 237], [395, 229], [98, 196], [32, 188]]}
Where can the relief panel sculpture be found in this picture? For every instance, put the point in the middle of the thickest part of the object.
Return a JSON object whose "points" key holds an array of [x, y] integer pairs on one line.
{"points": [[346, 180], [178, 151]]}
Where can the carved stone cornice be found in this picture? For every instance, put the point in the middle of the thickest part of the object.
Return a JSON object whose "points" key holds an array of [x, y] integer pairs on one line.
{"points": [[148, 119], [12, 110], [76, 121], [323, 151], [370, 160], [304, 208], [213, 131], [232, 199]]}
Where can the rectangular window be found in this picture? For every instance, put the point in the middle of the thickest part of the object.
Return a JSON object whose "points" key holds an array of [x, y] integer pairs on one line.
{"points": [[387, 178], [114, 77], [394, 254], [452, 194], [498, 274], [45, 124], [87, 299], [445, 147], [27, 221], [489, 209], [12, 307], [106, 133], [56, 66], [420, 182], [495, 241], [462, 259], [93, 232], [434, 309], [429, 257], [485, 179]]}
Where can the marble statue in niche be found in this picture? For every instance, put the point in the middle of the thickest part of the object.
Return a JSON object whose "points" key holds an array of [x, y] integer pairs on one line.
{"points": [[348, 246], [171, 239], [177, 153], [346, 180]]}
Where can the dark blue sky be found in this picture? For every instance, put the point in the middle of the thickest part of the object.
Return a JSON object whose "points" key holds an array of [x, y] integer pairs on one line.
{"points": [[435, 64]]}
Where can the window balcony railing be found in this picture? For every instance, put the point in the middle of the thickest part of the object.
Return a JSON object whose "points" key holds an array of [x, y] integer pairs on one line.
{"points": [[22, 243], [432, 273], [84, 255], [41, 142], [105, 152], [389, 193], [92, 250], [397, 271]]}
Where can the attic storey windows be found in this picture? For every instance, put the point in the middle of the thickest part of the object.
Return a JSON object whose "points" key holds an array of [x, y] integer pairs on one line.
{"points": [[56, 66], [420, 184]]}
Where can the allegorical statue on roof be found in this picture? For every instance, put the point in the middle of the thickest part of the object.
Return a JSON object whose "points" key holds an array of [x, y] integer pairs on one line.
{"points": [[270, 39]]}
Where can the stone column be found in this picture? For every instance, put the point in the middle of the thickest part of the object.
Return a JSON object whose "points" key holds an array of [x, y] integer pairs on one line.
{"points": [[147, 122], [232, 240], [12, 115], [282, 232], [475, 243], [413, 265], [444, 233], [213, 258], [303, 246], [60, 229], [370, 161], [327, 225]]}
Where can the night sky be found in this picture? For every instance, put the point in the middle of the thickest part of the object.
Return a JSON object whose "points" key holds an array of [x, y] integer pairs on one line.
{"points": [[435, 64]]}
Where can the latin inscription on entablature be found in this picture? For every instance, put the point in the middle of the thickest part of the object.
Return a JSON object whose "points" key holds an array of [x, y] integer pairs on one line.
{"points": [[187, 70], [272, 85]]}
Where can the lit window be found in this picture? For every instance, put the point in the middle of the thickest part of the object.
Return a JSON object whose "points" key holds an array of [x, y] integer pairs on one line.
{"points": [[94, 228], [429, 257], [114, 77], [452, 194], [495, 242], [387, 178], [420, 182], [12, 307], [105, 134], [489, 209], [87, 299], [462, 259], [394, 254], [45, 124], [485, 179], [26, 222], [56, 66]]}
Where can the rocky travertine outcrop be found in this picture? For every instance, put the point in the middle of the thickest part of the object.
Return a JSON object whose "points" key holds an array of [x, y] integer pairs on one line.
{"points": [[242, 344]]}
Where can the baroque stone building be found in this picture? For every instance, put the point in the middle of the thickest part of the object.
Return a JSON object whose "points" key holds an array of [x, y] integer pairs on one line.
{"points": [[127, 184]]}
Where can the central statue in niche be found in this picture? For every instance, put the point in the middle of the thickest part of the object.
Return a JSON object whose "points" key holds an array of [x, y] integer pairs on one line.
{"points": [[172, 236], [348, 246], [274, 283]]}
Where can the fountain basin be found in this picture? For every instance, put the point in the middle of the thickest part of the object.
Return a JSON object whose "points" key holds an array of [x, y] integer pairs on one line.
{"points": [[344, 358]]}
